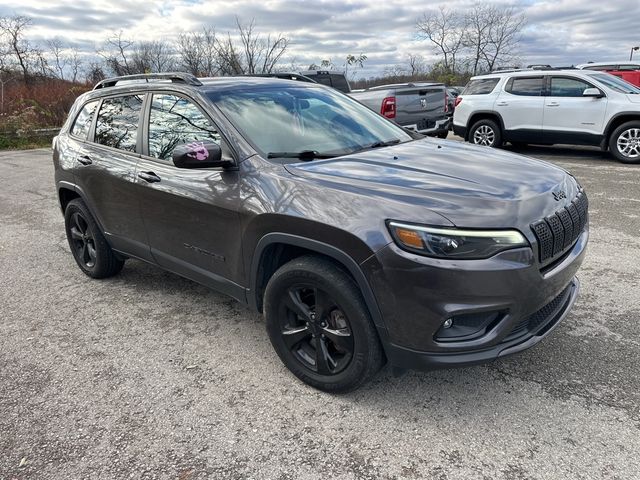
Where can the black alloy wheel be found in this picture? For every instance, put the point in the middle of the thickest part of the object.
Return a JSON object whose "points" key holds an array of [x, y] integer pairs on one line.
{"points": [[316, 330], [90, 249], [82, 241], [320, 326]]}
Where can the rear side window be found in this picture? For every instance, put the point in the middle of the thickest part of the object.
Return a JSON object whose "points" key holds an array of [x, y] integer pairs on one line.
{"points": [[525, 86], [117, 124], [568, 87], [481, 86], [173, 121], [83, 121]]}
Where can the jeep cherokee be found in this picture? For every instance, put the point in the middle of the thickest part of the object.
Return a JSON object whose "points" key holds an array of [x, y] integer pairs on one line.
{"points": [[361, 243]]}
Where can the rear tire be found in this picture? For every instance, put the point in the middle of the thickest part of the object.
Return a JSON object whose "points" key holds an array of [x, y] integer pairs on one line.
{"points": [[443, 135], [486, 132], [320, 327], [624, 142], [90, 249]]}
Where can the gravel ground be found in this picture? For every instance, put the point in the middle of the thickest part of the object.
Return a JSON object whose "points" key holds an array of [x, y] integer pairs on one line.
{"points": [[148, 375]]}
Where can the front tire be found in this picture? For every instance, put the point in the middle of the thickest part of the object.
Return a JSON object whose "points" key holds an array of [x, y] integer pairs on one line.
{"points": [[486, 132], [624, 142], [320, 327], [90, 249]]}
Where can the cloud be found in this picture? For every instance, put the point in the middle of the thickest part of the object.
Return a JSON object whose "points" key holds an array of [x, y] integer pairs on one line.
{"points": [[560, 32]]}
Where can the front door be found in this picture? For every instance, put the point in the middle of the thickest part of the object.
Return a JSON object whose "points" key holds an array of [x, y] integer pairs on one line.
{"points": [[568, 116], [190, 215]]}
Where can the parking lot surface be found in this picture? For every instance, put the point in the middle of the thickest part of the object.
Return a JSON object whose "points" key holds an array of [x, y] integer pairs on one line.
{"points": [[148, 375]]}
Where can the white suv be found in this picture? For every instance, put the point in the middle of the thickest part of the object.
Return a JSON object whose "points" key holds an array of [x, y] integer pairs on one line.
{"points": [[551, 106]]}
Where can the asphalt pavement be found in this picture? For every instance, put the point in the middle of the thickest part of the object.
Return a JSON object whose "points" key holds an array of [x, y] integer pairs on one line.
{"points": [[148, 375]]}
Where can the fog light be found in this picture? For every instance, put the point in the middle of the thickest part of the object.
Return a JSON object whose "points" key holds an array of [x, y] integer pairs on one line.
{"points": [[447, 323]]}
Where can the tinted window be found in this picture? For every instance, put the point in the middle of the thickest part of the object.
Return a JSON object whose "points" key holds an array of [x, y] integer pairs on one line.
{"points": [[531, 87], [600, 67], [174, 121], [83, 121], [568, 87], [117, 124], [615, 83], [481, 86]]}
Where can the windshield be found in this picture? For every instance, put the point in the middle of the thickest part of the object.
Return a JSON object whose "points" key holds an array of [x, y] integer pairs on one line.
{"points": [[288, 119], [615, 83]]}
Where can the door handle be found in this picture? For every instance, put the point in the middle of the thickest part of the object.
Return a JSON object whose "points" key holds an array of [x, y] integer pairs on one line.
{"points": [[149, 177], [553, 104], [502, 104], [85, 160]]}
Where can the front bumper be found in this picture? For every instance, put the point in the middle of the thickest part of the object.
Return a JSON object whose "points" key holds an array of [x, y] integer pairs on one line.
{"points": [[406, 358], [416, 295]]}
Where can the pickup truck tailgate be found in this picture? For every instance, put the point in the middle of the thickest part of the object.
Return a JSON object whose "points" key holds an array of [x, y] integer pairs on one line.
{"points": [[420, 107]]}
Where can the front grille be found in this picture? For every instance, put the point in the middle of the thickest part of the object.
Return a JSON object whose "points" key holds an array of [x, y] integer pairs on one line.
{"points": [[560, 230], [541, 317]]}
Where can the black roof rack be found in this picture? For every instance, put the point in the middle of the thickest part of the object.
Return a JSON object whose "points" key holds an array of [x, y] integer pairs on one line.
{"points": [[284, 76], [174, 77]]}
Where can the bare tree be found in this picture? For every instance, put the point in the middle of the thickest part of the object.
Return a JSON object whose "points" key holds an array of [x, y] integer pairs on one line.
{"points": [[504, 33], [252, 54], [417, 64], [75, 64], [12, 31], [94, 73], [477, 33], [445, 29], [60, 61], [152, 56], [196, 52], [116, 54]]}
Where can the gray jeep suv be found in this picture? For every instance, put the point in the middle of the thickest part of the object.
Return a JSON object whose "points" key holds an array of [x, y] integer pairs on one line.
{"points": [[360, 242]]}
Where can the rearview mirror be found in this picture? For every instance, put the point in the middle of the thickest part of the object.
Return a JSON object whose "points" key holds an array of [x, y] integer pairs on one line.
{"points": [[592, 92], [198, 155]]}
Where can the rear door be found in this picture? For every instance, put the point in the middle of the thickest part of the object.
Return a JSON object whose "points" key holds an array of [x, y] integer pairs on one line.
{"points": [[106, 172], [568, 115], [420, 108], [521, 106], [190, 215]]}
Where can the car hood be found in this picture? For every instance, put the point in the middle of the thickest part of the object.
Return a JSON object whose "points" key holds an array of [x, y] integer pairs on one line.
{"points": [[469, 185], [635, 98]]}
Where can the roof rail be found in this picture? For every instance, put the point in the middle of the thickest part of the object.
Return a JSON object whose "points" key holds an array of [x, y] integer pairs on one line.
{"points": [[284, 76], [175, 77]]}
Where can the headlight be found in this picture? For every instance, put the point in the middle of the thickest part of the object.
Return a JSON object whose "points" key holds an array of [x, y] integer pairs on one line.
{"points": [[453, 243]]}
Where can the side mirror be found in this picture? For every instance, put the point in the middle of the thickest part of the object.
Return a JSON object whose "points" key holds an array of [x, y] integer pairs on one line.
{"points": [[198, 155], [592, 92]]}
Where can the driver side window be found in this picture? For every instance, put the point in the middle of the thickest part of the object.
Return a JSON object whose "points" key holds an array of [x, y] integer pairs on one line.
{"points": [[174, 121]]}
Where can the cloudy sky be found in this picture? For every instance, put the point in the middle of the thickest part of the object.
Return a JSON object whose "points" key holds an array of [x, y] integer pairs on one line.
{"points": [[558, 32]]}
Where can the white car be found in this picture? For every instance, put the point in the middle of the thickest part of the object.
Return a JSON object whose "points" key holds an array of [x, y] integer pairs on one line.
{"points": [[580, 107]]}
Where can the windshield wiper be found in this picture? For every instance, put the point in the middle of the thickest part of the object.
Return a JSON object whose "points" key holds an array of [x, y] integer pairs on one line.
{"points": [[395, 141], [305, 155]]}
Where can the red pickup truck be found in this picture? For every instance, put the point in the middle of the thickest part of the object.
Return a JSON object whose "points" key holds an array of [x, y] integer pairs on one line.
{"points": [[629, 71]]}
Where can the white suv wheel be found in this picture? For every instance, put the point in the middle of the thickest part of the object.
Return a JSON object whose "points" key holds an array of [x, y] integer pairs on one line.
{"points": [[624, 142], [486, 132], [628, 143]]}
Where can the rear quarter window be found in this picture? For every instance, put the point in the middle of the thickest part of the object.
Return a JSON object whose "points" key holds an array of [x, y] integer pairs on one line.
{"points": [[83, 121], [525, 86], [481, 86]]}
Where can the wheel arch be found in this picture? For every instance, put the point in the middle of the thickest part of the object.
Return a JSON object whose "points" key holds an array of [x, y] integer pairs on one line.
{"points": [[617, 120], [484, 115], [275, 249]]}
